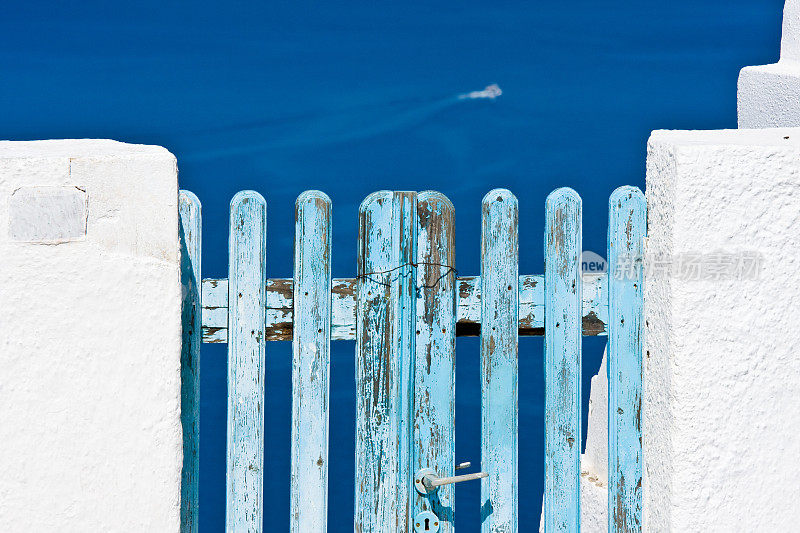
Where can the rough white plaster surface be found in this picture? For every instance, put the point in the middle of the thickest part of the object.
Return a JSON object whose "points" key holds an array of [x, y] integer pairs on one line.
{"points": [[790, 40], [594, 461], [89, 338], [721, 370], [769, 95], [595, 457], [47, 214], [594, 502]]}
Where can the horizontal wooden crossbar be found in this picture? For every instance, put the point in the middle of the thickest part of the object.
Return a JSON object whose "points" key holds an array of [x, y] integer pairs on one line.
{"points": [[279, 309]]}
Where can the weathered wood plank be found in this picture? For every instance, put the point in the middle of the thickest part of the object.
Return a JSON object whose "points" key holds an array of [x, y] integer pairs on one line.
{"points": [[434, 405], [562, 286], [499, 361], [191, 239], [311, 363], [385, 361], [627, 228], [343, 312], [246, 335]]}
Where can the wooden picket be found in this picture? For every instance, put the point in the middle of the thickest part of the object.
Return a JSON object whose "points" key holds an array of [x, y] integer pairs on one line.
{"points": [[404, 310], [499, 326], [562, 340], [246, 338], [385, 360], [627, 227], [190, 233], [435, 379], [311, 363]]}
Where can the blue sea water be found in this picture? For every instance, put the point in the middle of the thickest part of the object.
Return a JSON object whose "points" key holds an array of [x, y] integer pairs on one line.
{"points": [[351, 97]]}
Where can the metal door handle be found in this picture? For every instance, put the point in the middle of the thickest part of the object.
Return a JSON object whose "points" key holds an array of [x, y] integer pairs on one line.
{"points": [[427, 480]]}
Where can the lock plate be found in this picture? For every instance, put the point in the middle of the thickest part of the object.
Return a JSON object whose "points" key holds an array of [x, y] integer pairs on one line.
{"points": [[426, 522]]}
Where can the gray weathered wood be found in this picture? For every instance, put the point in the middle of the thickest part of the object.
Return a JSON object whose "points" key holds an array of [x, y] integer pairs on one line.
{"points": [[434, 406], [247, 336], [311, 363], [499, 364], [385, 362], [191, 239]]}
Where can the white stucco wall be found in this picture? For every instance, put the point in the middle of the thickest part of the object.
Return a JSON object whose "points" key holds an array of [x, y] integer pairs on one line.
{"points": [[595, 458], [769, 95], [721, 372], [89, 337], [594, 461], [790, 40]]}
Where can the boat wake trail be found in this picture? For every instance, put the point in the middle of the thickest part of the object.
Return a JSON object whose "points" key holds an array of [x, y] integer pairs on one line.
{"points": [[353, 122]]}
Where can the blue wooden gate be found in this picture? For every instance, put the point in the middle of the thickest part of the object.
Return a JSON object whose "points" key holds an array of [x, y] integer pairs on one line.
{"points": [[405, 309]]}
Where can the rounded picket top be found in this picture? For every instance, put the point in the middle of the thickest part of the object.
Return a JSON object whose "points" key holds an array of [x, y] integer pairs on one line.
{"points": [[436, 240], [189, 198], [499, 219], [242, 197], [436, 196], [627, 228], [563, 196], [374, 197], [317, 201], [312, 195], [436, 204], [499, 195], [563, 222], [624, 194], [190, 211], [248, 214]]}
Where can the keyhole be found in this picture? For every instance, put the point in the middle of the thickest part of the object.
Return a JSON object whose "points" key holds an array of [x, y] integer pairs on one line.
{"points": [[426, 521]]}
